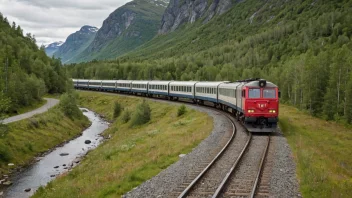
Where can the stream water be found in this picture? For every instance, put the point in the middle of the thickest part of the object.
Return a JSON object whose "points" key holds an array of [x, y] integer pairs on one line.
{"points": [[54, 164]]}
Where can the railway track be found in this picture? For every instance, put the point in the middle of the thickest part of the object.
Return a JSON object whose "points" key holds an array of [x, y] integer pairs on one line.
{"points": [[236, 171]]}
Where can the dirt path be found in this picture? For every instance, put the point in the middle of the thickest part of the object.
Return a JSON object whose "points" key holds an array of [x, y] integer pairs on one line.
{"points": [[50, 103]]}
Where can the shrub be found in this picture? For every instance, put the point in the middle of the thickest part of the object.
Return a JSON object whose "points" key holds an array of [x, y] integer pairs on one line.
{"points": [[68, 105], [141, 114], [181, 110], [117, 109], [126, 116], [4, 154]]}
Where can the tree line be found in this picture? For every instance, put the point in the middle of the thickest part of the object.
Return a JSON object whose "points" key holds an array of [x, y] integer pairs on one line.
{"points": [[26, 73]]}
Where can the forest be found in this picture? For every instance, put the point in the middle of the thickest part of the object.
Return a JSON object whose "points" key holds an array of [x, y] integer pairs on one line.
{"points": [[26, 73]]}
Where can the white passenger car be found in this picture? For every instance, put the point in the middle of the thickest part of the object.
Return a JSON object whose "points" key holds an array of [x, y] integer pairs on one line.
{"points": [[123, 85], [109, 85], [182, 89], [95, 84], [82, 83], [207, 91], [139, 86], [230, 95], [158, 87], [75, 83]]}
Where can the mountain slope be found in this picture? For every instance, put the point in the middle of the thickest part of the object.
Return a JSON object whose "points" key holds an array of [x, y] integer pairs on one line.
{"points": [[52, 48], [76, 43], [179, 12], [125, 29]]}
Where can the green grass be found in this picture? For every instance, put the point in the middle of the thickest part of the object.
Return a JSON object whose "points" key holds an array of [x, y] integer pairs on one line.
{"points": [[21, 141], [133, 154], [322, 151]]}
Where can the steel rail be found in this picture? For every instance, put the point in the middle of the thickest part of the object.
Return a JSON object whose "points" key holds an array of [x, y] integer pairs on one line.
{"points": [[232, 169], [260, 169], [191, 185]]}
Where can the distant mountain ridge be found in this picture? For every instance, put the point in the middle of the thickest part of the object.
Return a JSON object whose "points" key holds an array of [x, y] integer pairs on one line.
{"points": [[52, 48], [126, 28], [76, 43]]}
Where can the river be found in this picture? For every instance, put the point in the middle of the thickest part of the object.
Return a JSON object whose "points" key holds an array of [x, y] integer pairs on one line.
{"points": [[53, 164]]}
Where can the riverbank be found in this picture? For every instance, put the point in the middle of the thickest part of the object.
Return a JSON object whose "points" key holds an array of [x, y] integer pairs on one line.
{"points": [[322, 152], [132, 155], [22, 141]]}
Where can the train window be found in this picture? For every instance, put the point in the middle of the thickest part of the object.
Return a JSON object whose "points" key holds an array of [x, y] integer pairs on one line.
{"points": [[254, 93], [269, 93]]}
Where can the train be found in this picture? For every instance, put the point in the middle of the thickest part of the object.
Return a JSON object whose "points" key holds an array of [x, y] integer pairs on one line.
{"points": [[254, 102]]}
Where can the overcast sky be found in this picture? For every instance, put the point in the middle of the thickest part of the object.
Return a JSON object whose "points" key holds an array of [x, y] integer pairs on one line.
{"points": [[54, 20]]}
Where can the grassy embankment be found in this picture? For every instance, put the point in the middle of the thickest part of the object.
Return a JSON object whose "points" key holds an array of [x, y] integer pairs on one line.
{"points": [[322, 151], [21, 141], [133, 154]]}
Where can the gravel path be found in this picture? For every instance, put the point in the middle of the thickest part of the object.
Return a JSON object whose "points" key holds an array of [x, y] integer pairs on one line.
{"points": [[49, 104], [283, 182]]}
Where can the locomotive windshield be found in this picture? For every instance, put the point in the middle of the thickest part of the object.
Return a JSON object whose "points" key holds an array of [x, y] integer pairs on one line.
{"points": [[254, 93], [269, 93]]}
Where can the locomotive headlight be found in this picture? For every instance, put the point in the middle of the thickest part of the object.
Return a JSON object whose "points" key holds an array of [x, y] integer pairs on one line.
{"points": [[272, 111], [250, 111]]}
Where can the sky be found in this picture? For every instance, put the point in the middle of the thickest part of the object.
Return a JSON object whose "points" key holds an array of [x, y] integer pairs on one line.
{"points": [[54, 20]]}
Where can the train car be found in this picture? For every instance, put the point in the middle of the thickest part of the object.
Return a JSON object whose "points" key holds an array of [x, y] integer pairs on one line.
{"points": [[139, 87], [158, 88], [82, 84], [95, 84], [259, 104], [75, 83], [108, 85], [182, 89], [124, 85], [227, 96], [207, 91]]}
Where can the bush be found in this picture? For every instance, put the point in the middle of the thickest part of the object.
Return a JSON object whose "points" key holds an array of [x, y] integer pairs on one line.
{"points": [[126, 116], [141, 114], [68, 105], [4, 154], [181, 110], [117, 109]]}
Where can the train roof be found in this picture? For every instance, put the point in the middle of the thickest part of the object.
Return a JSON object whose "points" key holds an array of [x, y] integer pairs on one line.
{"points": [[109, 81], [183, 83], [140, 82], [210, 84], [124, 81], [95, 80], [230, 85], [256, 84], [159, 82]]}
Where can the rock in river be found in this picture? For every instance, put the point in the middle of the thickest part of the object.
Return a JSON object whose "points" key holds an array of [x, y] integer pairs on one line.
{"points": [[27, 190], [56, 167], [63, 154], [87, 142]]}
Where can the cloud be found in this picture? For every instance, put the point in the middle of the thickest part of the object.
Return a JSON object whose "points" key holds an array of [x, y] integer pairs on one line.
{"points": [[55, 20]]}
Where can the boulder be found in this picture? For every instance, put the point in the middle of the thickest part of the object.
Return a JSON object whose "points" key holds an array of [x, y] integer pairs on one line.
{"points": [[64, 165], [56, 166], [52, 175], [27, 190], [87, 142], [64, 154], [11, 164], [182, 155]]}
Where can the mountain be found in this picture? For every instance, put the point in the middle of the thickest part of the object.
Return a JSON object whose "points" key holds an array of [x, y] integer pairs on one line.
{"points": [[188, 11], [125, 29], [52, 48], [76, 43]]}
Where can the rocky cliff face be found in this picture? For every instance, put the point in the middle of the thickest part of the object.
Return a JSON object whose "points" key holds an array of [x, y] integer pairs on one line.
{"points": [[76, 43], [188, 11]]}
